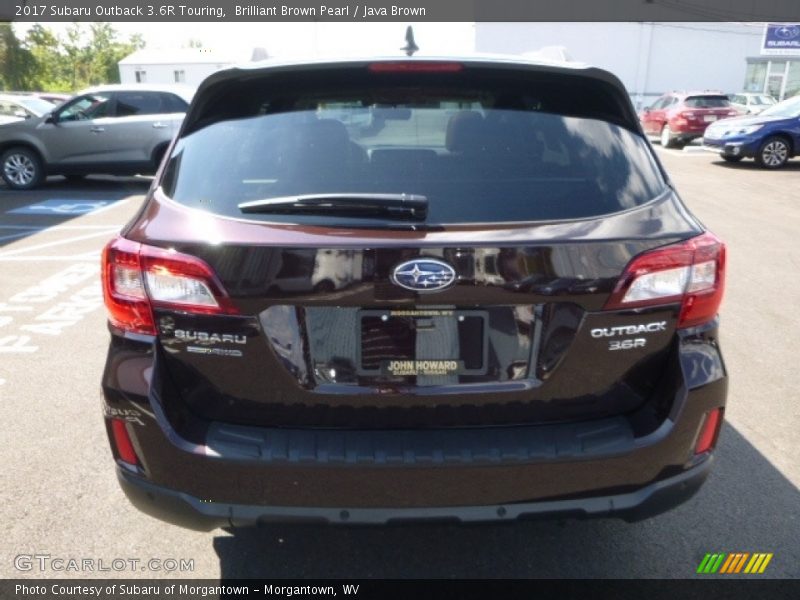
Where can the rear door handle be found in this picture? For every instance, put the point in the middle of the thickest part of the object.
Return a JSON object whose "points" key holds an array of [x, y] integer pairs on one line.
{"points": [[159, 125], [97, 129]]}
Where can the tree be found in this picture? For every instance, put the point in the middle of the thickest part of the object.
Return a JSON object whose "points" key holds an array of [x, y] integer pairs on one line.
{"points": [[16, 62], [45, 61], [43, 46]]}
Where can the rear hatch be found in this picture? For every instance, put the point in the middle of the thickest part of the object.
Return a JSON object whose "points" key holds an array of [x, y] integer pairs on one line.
{"points": [[703, 109], [411, 244]]}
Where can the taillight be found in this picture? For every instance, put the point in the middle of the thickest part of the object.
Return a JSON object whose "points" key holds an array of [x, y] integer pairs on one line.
{"points": [[687, 115], [690, 272], [123, 288], [709, 431], [137, 277], [411, 66], [123, 443]]}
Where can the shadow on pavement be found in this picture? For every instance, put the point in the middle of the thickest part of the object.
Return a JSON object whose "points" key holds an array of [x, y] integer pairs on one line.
{"points": [[57, 191], [750, 165], [745, 506]]}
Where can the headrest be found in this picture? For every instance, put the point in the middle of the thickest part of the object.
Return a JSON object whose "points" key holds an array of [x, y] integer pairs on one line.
{"points": [[465, 131]]}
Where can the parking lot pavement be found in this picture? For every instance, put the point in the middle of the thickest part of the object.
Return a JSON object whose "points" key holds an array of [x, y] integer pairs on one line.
{"points": [[59, 496]]}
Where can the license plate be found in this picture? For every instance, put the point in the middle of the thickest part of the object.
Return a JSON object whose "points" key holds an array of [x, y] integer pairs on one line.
{"points": [[422, 342], [709, 118]]}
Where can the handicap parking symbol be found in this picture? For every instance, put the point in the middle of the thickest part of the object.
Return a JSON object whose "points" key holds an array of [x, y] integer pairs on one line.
{"points": [[62, 207]]}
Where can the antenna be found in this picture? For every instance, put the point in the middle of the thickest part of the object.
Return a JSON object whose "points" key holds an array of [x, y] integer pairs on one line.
{"points": [[410, 46]]}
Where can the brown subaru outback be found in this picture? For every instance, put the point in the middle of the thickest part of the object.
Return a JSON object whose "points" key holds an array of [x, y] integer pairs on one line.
{"points": [[371, 290]]}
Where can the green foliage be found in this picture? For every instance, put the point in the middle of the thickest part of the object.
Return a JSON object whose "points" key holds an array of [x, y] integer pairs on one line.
{"points": [[83, 56], [15, 60]]}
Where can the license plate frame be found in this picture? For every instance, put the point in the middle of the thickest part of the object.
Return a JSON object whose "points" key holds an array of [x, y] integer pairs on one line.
{"points": [[425, 314], [710, 118]]}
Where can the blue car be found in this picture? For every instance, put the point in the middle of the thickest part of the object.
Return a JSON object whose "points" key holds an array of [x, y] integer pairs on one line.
{"points": [[771, 138]]}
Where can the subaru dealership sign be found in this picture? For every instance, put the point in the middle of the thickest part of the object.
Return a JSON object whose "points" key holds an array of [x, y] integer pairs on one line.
{"points": [[781, 38]]}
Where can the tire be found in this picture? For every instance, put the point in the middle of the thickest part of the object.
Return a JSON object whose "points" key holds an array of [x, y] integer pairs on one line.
{"points": [[21, 168], [666, 137], [773, 153], [731, 159]]}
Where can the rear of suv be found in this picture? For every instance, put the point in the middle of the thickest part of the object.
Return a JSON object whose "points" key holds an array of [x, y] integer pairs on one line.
{"points": [[112, 129], [373, 290], [678, 118]]}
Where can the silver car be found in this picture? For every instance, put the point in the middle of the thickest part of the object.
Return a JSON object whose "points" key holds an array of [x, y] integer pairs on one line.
{"points": [[748, 103], [111, 129]]}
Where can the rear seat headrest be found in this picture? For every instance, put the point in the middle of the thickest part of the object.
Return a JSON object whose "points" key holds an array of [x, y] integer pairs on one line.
{"points": [[465, 132]]}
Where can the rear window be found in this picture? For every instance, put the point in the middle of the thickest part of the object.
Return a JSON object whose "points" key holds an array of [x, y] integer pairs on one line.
{"points": [[707, 102], [480, 147]]}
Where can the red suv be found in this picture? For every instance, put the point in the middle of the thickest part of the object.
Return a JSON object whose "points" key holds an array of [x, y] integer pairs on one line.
{"points": [[679, 117]]}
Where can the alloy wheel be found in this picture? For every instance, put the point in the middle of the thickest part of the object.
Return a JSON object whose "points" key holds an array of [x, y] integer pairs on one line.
{"points": [[19, 169], [775, 153]]}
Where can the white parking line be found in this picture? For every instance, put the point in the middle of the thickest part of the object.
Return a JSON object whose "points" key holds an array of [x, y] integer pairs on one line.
{"points": [[683, 153], [59, 227], [114, 204], [70, 240], [93, 256]]}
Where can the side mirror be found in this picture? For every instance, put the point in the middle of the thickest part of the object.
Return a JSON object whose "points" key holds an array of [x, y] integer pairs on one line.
{"points": [[51, 119]]}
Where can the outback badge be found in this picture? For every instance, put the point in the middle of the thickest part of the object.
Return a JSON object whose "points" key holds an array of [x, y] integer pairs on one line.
{"points": [[424, 275]]}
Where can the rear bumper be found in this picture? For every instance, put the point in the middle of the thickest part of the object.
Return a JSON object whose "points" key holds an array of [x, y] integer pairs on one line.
{"points": [[191, 512], [631, 466], [687, 132]]}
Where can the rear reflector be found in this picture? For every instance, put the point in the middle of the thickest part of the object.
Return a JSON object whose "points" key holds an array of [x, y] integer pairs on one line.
{"points": [[690, 272], [123, 443], [415, 67], [137, 277], [709, 432]]}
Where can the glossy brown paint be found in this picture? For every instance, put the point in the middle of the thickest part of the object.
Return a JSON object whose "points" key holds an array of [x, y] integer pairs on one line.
{"points": [[287, 418]]}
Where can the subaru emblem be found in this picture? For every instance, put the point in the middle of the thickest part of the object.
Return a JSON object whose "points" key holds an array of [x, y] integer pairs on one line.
{"points": [[424, 275]]}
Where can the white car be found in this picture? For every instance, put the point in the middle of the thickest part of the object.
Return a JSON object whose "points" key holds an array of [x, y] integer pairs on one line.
{"points": [[15, 108], [751, 104]]}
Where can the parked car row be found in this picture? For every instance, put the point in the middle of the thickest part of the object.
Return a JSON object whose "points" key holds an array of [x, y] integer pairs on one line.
{"points": [[112, 129], [120, 130], [746, 125]]}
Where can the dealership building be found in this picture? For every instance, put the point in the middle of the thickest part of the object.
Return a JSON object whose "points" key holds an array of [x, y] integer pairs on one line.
{"points": [[654, 58]]}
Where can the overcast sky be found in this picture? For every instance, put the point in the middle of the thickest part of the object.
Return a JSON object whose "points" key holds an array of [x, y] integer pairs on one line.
{"points": [[290, 40]]}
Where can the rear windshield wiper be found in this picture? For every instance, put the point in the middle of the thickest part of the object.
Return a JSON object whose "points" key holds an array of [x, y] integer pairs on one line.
{"points": [[393, 206]]}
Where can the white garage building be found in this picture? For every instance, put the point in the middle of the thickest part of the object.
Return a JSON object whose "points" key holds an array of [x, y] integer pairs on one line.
{"points": [[183, 65]]}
